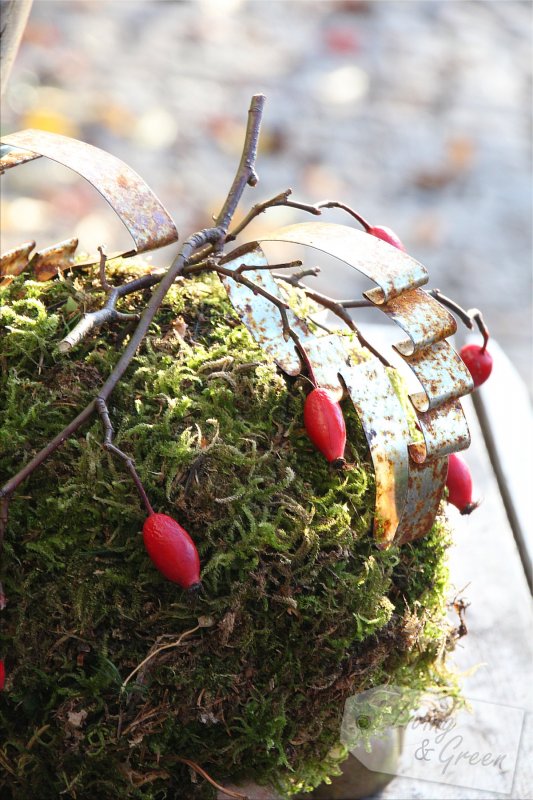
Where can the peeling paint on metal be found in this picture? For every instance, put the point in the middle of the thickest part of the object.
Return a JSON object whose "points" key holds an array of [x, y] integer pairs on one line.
{"points": [[426, 484], [442, 374], [423, 319], [445, 431], [391, 269]]}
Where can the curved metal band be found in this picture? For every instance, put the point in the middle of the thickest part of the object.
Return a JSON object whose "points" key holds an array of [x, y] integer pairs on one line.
{"points": [[408, 490], [393, 270], [149, 224]]}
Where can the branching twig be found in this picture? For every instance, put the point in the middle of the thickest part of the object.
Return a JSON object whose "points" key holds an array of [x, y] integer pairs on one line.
{"points": [[95, 319], [337, 308], [281, 199]]}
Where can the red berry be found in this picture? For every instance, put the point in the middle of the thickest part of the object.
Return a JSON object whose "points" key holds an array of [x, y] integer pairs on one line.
{"points": [[341, 40], [479, 362], [325, 425], [388, 235], [172, 550], [2, 675], [459, 484]]}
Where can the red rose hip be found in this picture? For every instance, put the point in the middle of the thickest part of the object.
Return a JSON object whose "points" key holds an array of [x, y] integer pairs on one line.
{"points": [[459, 484], [172, 550], [2, 675], [325, 425], [387, 234], [479, 362]]}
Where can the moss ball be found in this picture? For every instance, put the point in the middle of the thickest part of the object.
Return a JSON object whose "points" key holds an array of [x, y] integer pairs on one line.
{"points": [[114, 674]]}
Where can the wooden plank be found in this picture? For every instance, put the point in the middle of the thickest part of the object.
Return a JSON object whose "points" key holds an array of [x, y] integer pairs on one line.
{"points": [[486, 561], [504, 411]]}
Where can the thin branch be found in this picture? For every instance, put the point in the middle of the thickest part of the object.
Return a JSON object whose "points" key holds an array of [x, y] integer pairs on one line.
{"points": [[295, 279], [281, 305], [102, 409], [246, 174], [334, 204], [209, 265], [103, 278], [197, 768], [93, 320], [281, 199], [338, 309]]}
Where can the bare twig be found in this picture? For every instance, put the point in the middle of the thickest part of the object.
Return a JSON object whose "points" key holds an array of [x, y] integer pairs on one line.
{"points": [[102, 409], [246, 174], [103, 278], [335, 204], [95, 319], [281, 199], [337, 308], [296, 277]]}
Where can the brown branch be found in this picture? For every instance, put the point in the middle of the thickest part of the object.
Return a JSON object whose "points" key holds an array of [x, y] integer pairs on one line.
{"points": [[334, 204], [246, 174], [103, 411], [197, 768], [281, 199], [338, 308]]}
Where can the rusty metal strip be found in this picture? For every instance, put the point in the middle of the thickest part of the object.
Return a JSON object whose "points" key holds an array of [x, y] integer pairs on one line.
{"points": [[445, 431], [146, 219], [393, 270], [426, 484], [385, 425], [423, 319], [12, 157], [442, 374], [47, 262]]}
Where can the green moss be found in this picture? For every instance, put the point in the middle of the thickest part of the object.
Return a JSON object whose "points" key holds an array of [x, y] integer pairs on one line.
{"points": [[299, 609]]}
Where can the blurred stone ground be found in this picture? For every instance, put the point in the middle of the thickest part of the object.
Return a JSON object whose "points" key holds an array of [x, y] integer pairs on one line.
{"points": [[417, 113]]}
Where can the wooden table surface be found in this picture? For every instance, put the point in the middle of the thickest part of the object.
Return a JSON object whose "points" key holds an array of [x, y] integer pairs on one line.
{"points": [[487, 561]]}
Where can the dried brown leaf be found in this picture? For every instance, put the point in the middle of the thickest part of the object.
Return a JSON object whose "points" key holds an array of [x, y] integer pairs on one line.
{"points": [[48, 262], [15, 261]]}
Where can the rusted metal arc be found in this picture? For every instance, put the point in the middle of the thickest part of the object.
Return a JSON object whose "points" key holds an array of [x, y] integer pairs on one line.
{"points": [[409, 477], [146, 219], [391, 269], [425, 321]]}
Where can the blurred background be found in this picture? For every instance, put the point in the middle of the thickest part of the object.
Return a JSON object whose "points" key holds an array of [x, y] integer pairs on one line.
{"points": [[417, 113]]}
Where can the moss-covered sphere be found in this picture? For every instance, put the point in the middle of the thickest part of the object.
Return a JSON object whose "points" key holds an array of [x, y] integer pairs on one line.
{"points": [[299, 608]]}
